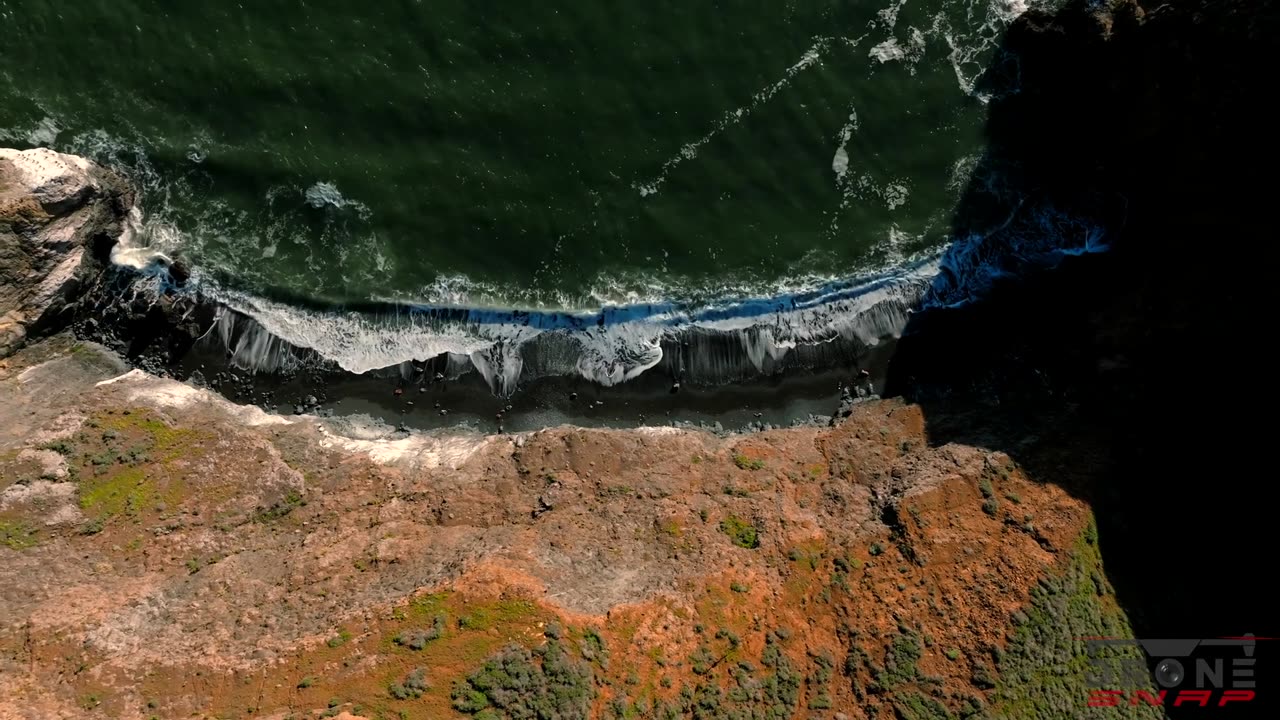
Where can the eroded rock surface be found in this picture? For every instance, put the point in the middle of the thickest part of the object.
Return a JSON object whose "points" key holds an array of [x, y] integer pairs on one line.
{"points": [[59, 215]]}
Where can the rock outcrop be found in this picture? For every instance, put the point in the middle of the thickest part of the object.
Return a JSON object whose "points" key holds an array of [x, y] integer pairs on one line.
{"points": [[59, 216]]}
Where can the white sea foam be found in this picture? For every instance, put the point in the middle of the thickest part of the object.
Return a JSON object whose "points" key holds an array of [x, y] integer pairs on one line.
{"points": [[889, 16], [970, 48], [322, 194], [840, 162], [892, 50], [45, 132], [325, 194], [720, 341], [609, 346], [145, 247], [895, 195], [887, 51]]}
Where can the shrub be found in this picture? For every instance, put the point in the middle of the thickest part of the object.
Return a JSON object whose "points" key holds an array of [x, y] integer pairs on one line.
{"points": [[412, 687], [291, 501], [418, 639], [730, 636], [93, 527], [900, 661], [990, 506], [983, 676], [701, 660], [62, 447], [746, 463], [742, 533], [738, 587], [512, 684], [821, 702], [1046, 667], [876, 549], [914, 706]]}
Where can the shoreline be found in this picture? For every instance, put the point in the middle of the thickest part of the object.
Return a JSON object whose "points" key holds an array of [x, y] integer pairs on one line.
{"points": [[164, 330], [747, 365], [424, 402], [736, 340]]}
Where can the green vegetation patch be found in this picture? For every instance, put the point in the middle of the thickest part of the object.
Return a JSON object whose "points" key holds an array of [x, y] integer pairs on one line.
{"points": [[17, 534], [502, 612], [900, 661], [166, 442], [1044, 671], [747, 463], [417, 639], [412, 687], [519, 683], [127, 492], [120, 462], [740, 532]]}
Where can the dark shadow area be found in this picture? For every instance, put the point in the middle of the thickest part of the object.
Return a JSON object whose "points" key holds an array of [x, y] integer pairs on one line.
{"points": [[1135, 378]]}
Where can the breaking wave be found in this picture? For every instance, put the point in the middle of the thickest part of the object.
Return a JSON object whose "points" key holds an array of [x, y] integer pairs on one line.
{"points": [[704, 345], [823, 327], [705, 341]]}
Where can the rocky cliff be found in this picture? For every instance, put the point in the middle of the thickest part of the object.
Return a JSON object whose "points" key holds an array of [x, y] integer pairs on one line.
{"points": [[59, 216]]}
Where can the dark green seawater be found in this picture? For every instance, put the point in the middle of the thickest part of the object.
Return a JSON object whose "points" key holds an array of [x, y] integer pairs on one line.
{"points": [[513, 153]]}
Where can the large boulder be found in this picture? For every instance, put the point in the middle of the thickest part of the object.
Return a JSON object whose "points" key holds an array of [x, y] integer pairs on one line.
{"points": [[59, 216]]}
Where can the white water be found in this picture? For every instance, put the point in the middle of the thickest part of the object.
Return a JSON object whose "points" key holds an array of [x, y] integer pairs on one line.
{"points": [[609, 347]]}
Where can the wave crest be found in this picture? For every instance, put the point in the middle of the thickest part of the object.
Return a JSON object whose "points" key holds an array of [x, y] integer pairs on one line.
{"points": [[699, 344]]}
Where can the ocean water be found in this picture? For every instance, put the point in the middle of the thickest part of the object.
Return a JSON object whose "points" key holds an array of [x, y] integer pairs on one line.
{"points": [[395, 181]]}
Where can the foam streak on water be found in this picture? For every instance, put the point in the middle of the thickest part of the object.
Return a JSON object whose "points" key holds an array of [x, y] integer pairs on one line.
{"points": [[689, 151]]}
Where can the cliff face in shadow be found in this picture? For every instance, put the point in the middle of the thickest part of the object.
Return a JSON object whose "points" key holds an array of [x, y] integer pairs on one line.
{"points": [[1148, 121]]}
